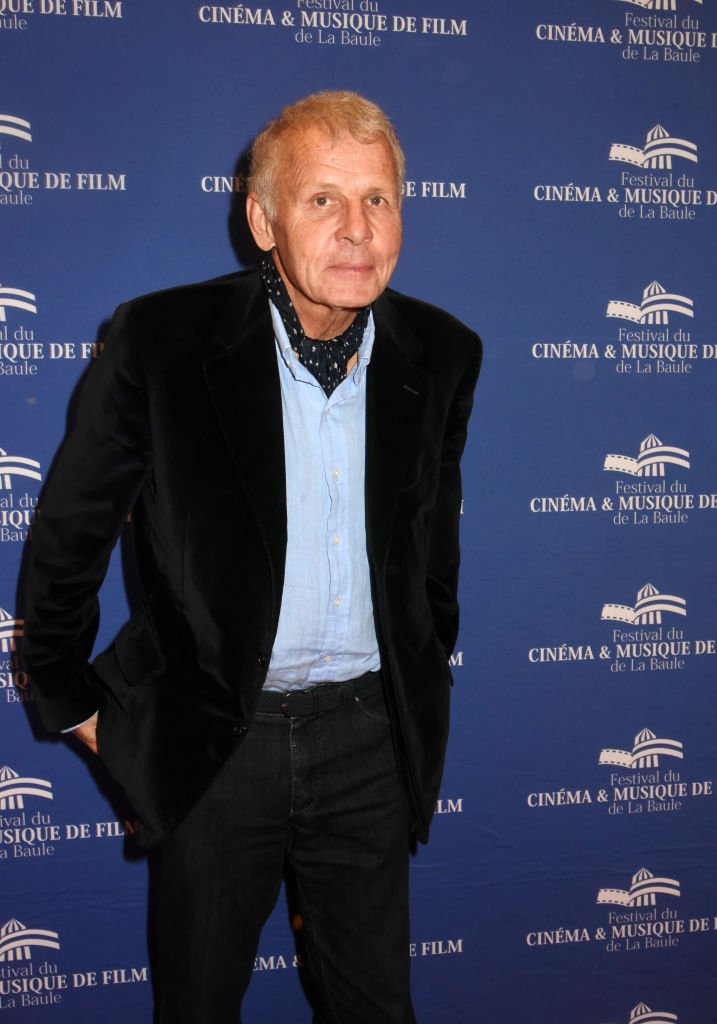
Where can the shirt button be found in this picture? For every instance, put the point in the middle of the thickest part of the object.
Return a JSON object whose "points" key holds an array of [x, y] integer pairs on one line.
{"points": [[336, 474], [327, 412], [337, 602], [337, 539], [327, 657]]}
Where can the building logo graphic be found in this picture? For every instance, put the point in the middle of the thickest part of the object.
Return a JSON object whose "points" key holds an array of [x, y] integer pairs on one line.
{"points": [[642, 1014], [651, 460], [645, 753], [16, 127], [656, 304], [16, 941], [660, 147], [13, 789], [643, 891], [11, 630], [16, 298], [16, 465], [648, 608]]}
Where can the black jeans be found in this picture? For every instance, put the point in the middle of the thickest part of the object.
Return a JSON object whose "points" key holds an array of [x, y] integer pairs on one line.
{"points": [[321, 790]]}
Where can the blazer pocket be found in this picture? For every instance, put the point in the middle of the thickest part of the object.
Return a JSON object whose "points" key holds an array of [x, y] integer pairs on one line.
{"points": [[136, 652]]}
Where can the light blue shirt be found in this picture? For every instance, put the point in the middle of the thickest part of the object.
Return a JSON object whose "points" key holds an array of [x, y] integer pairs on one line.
{"points": [[326, 630]]}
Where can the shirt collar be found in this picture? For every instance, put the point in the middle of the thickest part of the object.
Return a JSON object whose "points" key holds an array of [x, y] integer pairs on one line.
{"points": [[292, 360]]}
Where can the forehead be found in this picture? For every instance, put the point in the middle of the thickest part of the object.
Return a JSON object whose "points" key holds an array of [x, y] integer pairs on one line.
{"points": [[312, 157]]}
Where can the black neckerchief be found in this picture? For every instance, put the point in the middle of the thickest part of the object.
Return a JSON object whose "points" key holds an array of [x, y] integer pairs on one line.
{"points": [[326, 360]]}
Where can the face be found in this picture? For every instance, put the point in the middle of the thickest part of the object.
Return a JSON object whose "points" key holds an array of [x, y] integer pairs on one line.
{"points": [[336, 232]]}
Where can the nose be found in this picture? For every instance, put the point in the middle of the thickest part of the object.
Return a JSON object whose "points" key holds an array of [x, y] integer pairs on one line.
{"points": [[355, 225]]}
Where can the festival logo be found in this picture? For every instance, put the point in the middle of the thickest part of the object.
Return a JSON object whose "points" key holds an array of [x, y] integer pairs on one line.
{"points": [[22, 354], [646, 498], [25, 832], [648, 609], [651, 460], [640, 917], [645, 753], [652, 189], [643, 780], [652, 343], [29, 980], [644, 637], [18, 942], [28, 829], [660, 193], [14, 789], [658, 152], [20, 183], [657, 303], [651, 338], [643, 892], [651, 645], [644, 31], [643, 785], [646, 493]]}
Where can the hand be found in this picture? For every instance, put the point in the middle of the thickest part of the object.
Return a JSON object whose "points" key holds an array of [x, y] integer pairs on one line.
{"points": [[87, 733]]}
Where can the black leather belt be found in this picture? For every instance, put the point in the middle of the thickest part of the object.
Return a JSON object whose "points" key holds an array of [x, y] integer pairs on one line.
{"points": [[315, 699]]}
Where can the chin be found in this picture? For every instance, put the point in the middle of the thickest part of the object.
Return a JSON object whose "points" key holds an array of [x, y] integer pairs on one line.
{"points": [[354, 298]]}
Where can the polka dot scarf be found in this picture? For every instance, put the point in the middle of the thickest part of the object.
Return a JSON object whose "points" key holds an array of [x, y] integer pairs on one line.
{"points": [[326, 360]]}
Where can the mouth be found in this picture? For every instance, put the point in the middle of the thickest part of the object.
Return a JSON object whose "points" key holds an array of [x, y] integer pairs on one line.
{"points": [[351, 268]]}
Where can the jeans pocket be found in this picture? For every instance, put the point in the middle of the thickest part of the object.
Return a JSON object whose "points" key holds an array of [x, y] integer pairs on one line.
{"points": [[373, 706]]}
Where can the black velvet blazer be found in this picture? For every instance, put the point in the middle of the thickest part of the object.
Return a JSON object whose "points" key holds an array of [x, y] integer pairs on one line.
{"points": [[180, 422]]}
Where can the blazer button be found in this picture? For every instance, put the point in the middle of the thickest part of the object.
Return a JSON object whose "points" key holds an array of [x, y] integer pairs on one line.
{"points": [[262, 660], [238, 728]]}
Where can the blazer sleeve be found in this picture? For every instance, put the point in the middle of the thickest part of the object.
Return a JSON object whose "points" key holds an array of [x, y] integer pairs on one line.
{"points": [[91, 489], [444, 551]]}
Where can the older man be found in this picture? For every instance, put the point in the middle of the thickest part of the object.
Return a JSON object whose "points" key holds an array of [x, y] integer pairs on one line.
{"points": [[289, 444]]}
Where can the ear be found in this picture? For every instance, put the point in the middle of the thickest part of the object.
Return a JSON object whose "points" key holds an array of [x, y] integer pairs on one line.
{"points": [[259, 223]]}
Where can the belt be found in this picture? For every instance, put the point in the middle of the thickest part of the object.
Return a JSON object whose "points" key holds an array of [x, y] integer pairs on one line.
{"points": [[315, 699]]}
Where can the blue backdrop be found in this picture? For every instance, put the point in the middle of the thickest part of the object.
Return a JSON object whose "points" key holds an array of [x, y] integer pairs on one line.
{"points": [[562, 200]]}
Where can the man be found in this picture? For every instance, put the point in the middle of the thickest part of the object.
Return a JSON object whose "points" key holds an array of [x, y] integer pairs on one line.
{"points": [[289, 444]]}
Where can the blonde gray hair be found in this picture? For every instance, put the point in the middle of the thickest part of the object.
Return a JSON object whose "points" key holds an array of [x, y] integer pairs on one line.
{"points": [[333, 112]]}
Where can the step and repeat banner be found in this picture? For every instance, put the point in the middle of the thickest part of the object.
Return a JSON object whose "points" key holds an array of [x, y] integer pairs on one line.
{"points": [[561, 198]]}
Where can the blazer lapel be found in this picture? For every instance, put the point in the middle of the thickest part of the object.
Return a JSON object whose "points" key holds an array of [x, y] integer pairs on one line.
{"points": [[396, 396], [243, 380]]}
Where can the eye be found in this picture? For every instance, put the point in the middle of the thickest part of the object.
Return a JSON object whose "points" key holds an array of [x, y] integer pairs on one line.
{"points": [[321, 201], [376, 201]]}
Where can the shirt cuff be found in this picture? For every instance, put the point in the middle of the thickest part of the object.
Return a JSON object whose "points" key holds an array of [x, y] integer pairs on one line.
{"points": [[73, 727]]}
